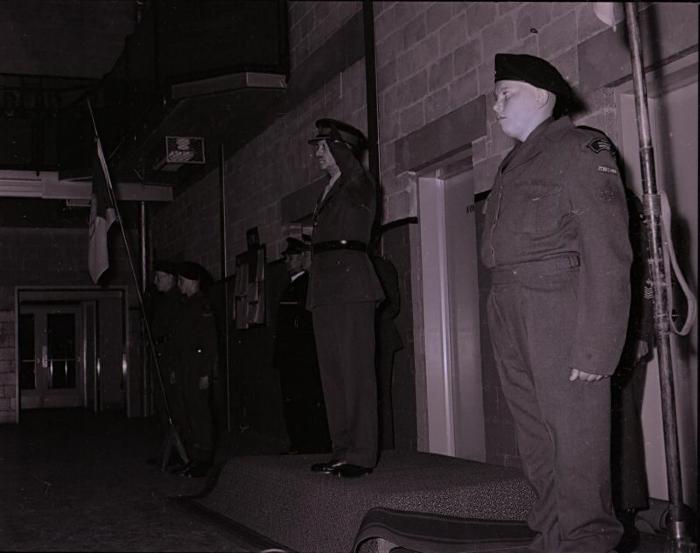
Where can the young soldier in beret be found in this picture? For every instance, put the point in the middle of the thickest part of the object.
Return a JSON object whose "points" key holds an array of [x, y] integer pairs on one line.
{"points": [[556, 241], [196, 343], [343, 293], [164, 306]]}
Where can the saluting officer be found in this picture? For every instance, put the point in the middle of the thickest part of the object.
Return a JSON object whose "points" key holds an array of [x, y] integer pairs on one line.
{"points": [[196, 343], [555, 239], [343, 293]]}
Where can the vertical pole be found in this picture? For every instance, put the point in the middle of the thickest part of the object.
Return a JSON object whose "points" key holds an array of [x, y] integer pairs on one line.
{"points": [[224, 264], [678, 538], [371, 89], [143, 242]]}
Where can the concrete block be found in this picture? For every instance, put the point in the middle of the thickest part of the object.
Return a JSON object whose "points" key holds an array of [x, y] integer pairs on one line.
{"points": [[414, 89], [463, 90], [505, 7], [498, 37], [587, 24], [437, 15], [427, 51], [557, 36], [414, 31], [437, 104], [485, 77], [561, 8], [406, 64], [411, 118], [567, 64], [386, 76], [533, 15], [454, 34], [480, 15], [440, 73], [467, 57]]}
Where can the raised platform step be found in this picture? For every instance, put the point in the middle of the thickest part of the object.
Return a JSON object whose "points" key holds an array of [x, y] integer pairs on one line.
{"points": [[278, 497]]}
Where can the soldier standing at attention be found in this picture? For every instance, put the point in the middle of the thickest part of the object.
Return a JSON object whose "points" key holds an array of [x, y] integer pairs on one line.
{"points": [[556, 241], [196, 343], [343, 293], [163, 313]]}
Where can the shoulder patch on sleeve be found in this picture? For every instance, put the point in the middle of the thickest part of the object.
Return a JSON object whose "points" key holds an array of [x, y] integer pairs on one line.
{"points": [[599, 144]]}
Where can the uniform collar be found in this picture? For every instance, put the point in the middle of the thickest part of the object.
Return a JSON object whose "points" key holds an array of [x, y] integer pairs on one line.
{"points": [[532, 147]]}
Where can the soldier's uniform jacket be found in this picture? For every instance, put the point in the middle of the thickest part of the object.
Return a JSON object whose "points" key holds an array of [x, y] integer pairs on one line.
{"points": [[559, 194], [164, 315], [196, 339], [346, 213]]}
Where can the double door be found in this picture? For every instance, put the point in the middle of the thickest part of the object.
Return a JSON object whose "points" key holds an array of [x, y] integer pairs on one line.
{"points": [[51, 364]]}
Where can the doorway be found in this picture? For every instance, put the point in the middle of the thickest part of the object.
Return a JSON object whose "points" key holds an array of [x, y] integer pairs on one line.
{"points": [[51, 368], [72, 349], [450, 312]]}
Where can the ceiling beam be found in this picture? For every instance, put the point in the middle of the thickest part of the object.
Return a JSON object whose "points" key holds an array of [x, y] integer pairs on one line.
{"points": [[47, 185]]}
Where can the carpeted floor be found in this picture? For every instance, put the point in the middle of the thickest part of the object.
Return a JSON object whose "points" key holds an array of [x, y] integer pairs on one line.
{"points": [[71, 480]]}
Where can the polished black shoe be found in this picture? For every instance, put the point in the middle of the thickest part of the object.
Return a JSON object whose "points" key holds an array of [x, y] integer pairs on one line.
{"points": [[328, 467], [351, 471]]}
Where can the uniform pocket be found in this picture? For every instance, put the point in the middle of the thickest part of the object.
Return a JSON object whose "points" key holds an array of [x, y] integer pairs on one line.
{"points": [[540, 207]]}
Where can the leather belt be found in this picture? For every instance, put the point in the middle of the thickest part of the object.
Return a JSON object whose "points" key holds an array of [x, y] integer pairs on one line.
{"points": [[339, 245]]}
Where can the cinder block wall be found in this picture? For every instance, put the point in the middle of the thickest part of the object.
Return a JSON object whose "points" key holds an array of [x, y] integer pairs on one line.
{"points": [[432, 58]]}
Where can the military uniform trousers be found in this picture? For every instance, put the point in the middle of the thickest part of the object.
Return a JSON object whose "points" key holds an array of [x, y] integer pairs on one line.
{"points": [[562, 427], [198, 425], [345, 343], [629, 477]]}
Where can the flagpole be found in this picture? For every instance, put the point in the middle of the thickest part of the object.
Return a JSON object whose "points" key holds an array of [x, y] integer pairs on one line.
{"points": [[174, 435], [678, 534]]}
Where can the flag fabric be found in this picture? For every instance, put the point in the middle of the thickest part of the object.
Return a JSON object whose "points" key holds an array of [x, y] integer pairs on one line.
{"points": [[102, 215]]}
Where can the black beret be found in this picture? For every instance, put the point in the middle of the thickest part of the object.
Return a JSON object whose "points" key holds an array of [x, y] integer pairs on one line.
{"points": [[296, 247], [163, 266], [337, 131], [191, 270], [533, 70]]}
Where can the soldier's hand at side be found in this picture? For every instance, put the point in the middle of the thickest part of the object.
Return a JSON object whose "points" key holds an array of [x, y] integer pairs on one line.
{"points": [[576, 374], [203, 382]]}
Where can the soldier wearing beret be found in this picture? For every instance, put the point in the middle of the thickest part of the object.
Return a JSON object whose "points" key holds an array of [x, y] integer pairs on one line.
{"points": [[343, 293], [295, 357], [164, 307], [196, 342], [556, 241]]}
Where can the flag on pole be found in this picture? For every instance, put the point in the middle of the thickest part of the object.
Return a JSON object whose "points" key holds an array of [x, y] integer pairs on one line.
{"points": [[102, 215]]}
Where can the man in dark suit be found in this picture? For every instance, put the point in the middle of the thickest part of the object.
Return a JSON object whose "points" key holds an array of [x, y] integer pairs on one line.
{"points": [[556, 241], [343, 294], [295, 358]]}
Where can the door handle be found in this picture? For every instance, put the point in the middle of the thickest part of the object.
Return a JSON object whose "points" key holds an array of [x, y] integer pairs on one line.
{"points": [[44, 356]]}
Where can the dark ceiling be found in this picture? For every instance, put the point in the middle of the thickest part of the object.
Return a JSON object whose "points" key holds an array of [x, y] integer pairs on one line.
{"points": [[205, 50]]}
